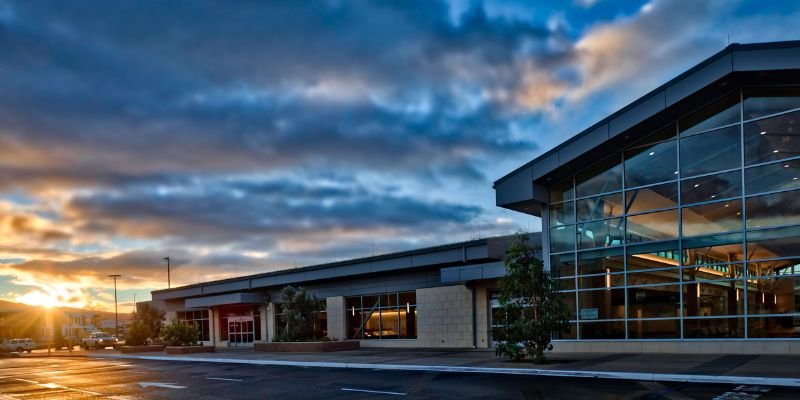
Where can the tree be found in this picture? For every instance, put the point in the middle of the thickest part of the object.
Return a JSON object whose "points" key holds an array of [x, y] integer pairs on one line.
{"points": [[531, 307], [151, 318], [299, 313], [138, 333]]}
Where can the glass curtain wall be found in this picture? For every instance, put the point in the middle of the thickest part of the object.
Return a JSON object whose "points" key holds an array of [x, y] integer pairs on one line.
{"points": [[382, 316], [693, 232]]}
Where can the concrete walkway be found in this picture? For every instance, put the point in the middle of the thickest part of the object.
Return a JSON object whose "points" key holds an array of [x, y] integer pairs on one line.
{"points": [[740, 369]]}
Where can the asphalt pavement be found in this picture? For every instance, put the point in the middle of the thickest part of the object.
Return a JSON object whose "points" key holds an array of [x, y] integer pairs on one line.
{"points": [[78, 378]]}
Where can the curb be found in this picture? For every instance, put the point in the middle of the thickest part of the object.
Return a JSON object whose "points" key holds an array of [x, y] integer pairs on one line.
{"points": [[638, 376]]}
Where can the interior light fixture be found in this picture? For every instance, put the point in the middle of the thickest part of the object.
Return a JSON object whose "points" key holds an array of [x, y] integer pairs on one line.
{"points": [[794, 179], [652, 153], [713, 196], [775, 151], [727, 205], [763, 132], [408, 307], [786, 166], [696, 185], [354, 311]]}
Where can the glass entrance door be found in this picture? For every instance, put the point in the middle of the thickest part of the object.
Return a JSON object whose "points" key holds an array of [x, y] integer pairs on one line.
{"points": [[241, 331]]}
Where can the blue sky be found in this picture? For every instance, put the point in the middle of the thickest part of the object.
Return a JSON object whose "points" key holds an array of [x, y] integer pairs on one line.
{"points": [[242, 137]]}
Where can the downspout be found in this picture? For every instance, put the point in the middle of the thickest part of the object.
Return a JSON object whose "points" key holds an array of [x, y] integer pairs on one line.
{"points": [[474, 320]]}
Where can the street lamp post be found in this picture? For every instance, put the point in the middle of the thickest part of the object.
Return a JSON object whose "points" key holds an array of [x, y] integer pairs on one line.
{"points": [[116, 315], [168, 285]]}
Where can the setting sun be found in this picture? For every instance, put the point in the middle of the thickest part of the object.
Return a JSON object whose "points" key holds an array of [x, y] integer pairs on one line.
{"points": [[39, 298]]}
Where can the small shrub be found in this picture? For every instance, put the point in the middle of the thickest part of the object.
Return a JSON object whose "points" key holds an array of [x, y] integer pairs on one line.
{"points": [[137, 334], [180, 334]]}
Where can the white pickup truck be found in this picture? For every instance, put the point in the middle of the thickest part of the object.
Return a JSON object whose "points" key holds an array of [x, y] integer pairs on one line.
{"points": [[99, 340], [18, 345]]}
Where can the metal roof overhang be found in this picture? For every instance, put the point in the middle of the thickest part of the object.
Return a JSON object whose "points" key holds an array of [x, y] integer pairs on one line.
{"points": [[225, 299], [525, 189], [473, 272]]}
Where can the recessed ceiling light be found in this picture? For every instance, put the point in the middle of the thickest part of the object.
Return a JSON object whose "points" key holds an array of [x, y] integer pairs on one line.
{"points": [[774, 151], [727, 205], [763, 133], [786, 166], [696, 184], [652, 153], [713, 195], [794, 179], [676, 172], [738, 213]]}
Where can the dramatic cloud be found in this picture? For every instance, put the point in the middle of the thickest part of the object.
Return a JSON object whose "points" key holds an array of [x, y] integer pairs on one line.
{"points": [[246, 137]]}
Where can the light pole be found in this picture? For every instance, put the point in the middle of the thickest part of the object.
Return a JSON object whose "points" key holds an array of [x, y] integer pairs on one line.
{"points": [[116, 315], [167, 258]]}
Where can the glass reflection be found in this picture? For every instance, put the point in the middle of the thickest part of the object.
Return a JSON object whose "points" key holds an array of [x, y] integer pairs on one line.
{"points": [[772, 138], [654, 329], [712, 187], [562, 214], [603, 330], [784, 267], [776, 295], [651, 198], [654, 226], [773, 243], [657, 277], [600, 261], [721, 113], [563, 264], [653, 256], [651, 164], [712, 151], [773, 209], [603, 233], [562, 238], [601, 304], [562, 191], [771, 177], [606, 280], [773, 327], [706, 328], [713, 272], [713, 298], [723, 216], [603, 177], [599, 207], [712, 249], [760, 102], [654, 301]]}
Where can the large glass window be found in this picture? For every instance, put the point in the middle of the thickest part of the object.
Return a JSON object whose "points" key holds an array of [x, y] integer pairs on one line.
{"points": [[760, 102], [609, 232], [651, 198], [651, 164], [600, 261], [601, 304], [711, 187], [654, 301], [603, 177], [653, 226], [199, 319], [711, 151], [562, 214], [773, 209], [704, 219], [721, 113], [773, 138], [713, 298], [562, 238], [674, 255], [771, 177], [385, 316], [773, 243], [599, 207]]}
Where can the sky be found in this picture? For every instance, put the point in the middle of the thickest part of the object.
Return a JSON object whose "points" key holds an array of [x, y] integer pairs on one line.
{"points": [[243, 137]]}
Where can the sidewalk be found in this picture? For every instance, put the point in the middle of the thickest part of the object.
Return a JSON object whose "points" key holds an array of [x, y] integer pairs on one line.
{"points": [[742, 369]]}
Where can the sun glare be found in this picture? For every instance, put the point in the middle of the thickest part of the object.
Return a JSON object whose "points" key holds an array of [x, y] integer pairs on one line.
{"points": [[39, 298]]}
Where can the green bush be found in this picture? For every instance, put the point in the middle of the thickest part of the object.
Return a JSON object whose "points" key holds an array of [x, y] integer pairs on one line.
{"points": [[299, 315], [180, 334], [138, 333]]}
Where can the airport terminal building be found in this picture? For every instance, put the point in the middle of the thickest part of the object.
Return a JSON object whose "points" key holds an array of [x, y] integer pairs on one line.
{"points": [[434, 297], [674, 223]]}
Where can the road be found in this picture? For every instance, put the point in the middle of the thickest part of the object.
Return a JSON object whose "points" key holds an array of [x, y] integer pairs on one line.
{"points": [[78, 378]]}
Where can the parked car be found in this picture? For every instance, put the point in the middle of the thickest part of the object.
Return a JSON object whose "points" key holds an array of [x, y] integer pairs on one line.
{"points": [[18, 345], [99, 340]]}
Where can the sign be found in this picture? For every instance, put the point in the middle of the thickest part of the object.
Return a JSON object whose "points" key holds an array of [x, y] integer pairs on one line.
{"points": [[588, 313]]}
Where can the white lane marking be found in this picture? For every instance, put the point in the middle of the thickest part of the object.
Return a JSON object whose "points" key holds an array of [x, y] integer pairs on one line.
{"points": [[161, 385], [225, 379], [51, 385], [636, 376], [372, 391]]}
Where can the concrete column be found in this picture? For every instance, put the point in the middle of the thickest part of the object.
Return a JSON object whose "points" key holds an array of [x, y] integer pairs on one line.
{"points": [[263, 315], [337, 327], [212, 327], [271, 324]]}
